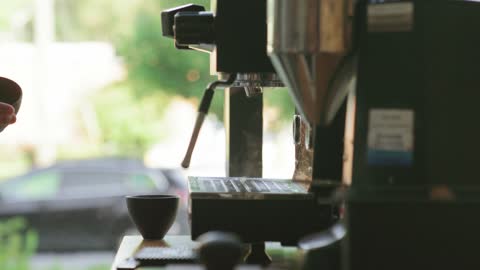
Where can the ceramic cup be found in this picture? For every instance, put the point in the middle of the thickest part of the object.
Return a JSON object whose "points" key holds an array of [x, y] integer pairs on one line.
{"points": [[10, 93], [153, 214]]}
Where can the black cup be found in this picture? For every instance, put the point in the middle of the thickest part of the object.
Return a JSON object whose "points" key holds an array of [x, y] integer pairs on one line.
{"points": [[10, 93], [153, 214]]}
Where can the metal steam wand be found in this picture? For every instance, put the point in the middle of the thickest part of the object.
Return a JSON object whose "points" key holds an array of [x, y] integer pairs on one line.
{"points": [[202, 113]]}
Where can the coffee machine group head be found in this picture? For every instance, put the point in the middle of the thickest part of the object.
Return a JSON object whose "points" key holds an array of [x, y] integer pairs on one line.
{"points": [[234, 34]]}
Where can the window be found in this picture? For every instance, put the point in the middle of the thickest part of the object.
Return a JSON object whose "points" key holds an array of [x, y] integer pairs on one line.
{"points": [[140, 182], [92, 183], [81, 184], [39, 186]]}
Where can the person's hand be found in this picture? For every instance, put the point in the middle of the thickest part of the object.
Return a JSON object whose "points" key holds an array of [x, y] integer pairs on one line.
{"points": [[10, 100], [7, 114]]}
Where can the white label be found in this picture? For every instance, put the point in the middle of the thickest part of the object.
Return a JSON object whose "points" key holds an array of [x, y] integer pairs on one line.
{"points": [[391, 130], [390, 136]]}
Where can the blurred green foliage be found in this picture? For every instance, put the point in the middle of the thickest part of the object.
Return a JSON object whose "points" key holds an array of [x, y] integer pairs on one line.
{"points": [[94, 267], [152, 61], [134, 27], [129, 127], [17, 244], [99, 267], [105, 20], [278, 99], [6, 11], [128, 112]]}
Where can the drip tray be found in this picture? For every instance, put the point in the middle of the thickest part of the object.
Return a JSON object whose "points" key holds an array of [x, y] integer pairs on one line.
{"points": [[256, 209]]}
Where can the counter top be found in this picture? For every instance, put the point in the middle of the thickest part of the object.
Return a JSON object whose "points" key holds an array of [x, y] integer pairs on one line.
{"points": [[283, 257]]}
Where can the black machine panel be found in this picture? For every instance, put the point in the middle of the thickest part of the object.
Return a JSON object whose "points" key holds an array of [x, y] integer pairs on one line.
{"points": [[417, 97], [415, 184], [256, 209], [241, 36]]}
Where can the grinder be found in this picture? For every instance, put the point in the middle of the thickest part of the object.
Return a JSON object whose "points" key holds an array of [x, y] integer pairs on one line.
{"points": [[406, 139], [414, 182]]}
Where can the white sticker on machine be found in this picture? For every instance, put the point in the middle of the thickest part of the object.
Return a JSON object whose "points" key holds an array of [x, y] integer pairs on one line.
{"points": [[390, 137]]}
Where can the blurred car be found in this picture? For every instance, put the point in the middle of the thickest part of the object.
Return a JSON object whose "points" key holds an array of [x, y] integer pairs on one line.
{"points": [[80, 204]]}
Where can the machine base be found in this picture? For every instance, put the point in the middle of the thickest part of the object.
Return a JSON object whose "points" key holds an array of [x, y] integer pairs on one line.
{"points": [[411, 231]]}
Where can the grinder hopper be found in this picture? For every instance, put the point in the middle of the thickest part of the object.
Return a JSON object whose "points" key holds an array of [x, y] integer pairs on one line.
{"points": [[307, 43]]}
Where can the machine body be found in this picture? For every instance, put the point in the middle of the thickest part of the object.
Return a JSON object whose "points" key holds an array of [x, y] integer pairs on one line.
{"points": [[413, 136], [235, 33], [415, 193]]}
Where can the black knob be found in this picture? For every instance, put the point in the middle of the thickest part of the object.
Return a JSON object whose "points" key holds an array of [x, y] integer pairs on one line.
{"points": [[168, 17], [220, 251], [193, 28]]}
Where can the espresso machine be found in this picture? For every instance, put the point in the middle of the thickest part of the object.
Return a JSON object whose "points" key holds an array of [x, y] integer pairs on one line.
{"points": [[386, 126], [254, 208]]}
